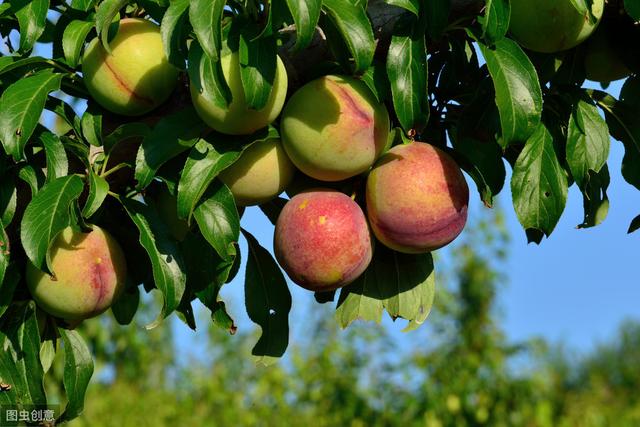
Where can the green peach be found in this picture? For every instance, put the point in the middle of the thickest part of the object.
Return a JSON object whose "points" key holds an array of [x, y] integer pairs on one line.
{"points": [[551, 25], [333, 128], [136, 76], [261, 173], [90, 273], [322, 240], [238, 118], [417, 198]]}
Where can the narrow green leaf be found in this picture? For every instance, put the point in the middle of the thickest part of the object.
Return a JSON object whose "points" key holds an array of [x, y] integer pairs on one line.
{"points": [[165, 255], [5, 252], [635, 225], [125, 132], [595, 199], [173, 32], [8, 198], [46, 215], [78, 369], [8, 286], [98, 190], [412, 6], [268, 302], [83, 5], [107, 11], [73, 40], [57, 162], [305, 15], [21, 105], [587, 141], [347, 26], [518, 93], [258, 63], [539, 184], [218, 219], [126, 306], [172, 135], [206, 77], [407, 70], [32, 17], [20, 365], [495, 21], [206, 19], [91, 124]]}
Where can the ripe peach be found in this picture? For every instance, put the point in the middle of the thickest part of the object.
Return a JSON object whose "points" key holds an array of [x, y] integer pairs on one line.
{"points": [[551, 25], [90, 273], [333, 128], [136, 77], [417, 198], [322, 240], [238, 118], [261, 173]]}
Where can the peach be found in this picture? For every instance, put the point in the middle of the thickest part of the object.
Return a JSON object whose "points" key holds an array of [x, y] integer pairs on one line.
{"points": [[322, 240], [416, 198], [90, 273], [333, 128], [550, 26], [261, 173], [136, 76], [238, 118]]}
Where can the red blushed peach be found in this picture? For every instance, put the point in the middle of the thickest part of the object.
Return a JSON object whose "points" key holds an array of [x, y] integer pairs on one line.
{"points": [[322, 240], [417, 198], [90, 273]]}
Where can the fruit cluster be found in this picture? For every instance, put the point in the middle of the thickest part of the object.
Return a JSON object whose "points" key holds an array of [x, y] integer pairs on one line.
{"points": [[331, 130]]}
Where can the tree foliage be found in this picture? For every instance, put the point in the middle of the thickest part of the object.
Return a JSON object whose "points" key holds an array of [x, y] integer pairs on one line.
{"points": [[450, 74]]}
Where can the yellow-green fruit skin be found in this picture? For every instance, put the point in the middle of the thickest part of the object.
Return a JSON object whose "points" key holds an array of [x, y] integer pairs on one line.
{"points": [[261, 173], [601, 63], [136, 77], [550, 26], [90, 273], [333, 128], [238, 118]]}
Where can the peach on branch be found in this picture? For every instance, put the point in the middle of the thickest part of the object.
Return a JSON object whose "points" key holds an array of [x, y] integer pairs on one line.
{"points": [[136, 76], [417, 198], [238, 118], [552, 25], [322, 240], [261, 173], [89, 274], [333, 128]]}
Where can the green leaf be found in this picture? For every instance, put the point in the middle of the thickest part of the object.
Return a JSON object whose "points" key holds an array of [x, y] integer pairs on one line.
{"points": [[173, 32], [595, 199], [105, 15], [165, 255], [20, 365], [172, 135], [126, 306], [83, 5], [201, 168], [8, 286], [495, 21], [437, 15], [306, 14], [124, 132], [206, 77], [32, 17], [73, 40], [377, 81], [539, 184], [206, 19], [78, 369], [57, 162], [258, 62], [5, 249], [8, 198], [412, 6], [46, 215], [20, 108], [633, 9], [587, 141], [407, 70], [635, 225], [518, 93], [347, 26], [402, 284], [91, 125], [98, 190], [32, 176], [268, 302], [218, 219]]}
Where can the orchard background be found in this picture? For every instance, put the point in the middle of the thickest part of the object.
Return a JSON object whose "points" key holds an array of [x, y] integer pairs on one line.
{"points": [[494, 84]]}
